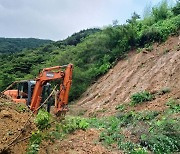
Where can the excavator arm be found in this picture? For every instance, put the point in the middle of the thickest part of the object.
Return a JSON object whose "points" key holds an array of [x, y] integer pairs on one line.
{"points": [[49, 74]]}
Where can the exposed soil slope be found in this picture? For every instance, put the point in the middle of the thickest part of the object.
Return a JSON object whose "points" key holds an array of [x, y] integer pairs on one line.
{"points": [[12, 119], [80, 142], [14, 116], [147, 70]]}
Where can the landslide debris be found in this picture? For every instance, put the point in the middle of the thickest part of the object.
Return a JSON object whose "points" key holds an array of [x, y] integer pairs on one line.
{"points": [[151, 70]]}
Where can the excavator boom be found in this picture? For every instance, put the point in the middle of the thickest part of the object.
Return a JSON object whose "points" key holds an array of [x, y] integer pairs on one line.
{"points": [[49, 74]]}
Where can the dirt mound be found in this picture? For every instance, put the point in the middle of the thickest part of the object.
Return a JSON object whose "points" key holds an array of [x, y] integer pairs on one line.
{"points": [[80, 142], [12, 118], [147, 70]]}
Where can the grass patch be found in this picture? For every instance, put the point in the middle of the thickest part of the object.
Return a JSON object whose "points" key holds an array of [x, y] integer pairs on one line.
{"points": [[68, 126], [161, 133]]}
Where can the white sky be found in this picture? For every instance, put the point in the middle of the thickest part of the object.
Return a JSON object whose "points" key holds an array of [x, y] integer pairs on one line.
{"points": [[57, 19]]}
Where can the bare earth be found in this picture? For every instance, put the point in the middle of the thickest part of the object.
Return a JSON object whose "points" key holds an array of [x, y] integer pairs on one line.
{"points": [[150, 71], [12, 119]]}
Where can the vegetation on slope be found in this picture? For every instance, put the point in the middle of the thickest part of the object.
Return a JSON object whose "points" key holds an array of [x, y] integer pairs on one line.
{"points": [[96, 53], [77, 37], [142, 132], [12, 45], [128, 131]]}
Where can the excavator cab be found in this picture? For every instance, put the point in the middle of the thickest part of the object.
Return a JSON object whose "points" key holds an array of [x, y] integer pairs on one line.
{"points": [[24, 93], [25, 89]]}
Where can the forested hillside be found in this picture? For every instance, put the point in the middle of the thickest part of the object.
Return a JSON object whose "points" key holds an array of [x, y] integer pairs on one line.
{"points": [[12, 45], [95, 54]]}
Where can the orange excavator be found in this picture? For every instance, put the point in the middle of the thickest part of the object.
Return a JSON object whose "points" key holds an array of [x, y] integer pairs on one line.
{"points": [[33, 92]]}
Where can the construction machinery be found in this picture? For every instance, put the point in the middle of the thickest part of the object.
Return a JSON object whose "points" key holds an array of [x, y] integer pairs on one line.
{"points": [[34, 92]]}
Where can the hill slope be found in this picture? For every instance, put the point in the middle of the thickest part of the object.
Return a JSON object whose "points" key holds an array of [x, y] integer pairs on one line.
{"points": [[151, 71]]}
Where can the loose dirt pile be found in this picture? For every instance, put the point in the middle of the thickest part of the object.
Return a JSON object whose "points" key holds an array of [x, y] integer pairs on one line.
{"points": [[80, 142], [147, 70], [12, 119]]}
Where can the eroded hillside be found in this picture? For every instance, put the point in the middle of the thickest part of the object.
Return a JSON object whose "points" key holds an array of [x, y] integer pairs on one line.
{"points": [[152, 69]]}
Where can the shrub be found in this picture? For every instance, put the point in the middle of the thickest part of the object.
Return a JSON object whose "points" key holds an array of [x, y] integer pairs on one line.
{"points": [[71, 124], [150, 35], [42, 120], [159, 31], [161, 11], [141, 97], [111, 133], [21, 108]]}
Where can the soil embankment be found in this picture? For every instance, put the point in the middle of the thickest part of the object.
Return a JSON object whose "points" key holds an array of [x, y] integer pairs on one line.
{"points": [[148, 70]]}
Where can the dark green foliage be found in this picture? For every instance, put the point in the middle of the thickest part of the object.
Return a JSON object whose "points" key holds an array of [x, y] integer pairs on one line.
{"points": [[141, 97], [161, 11], [11, 45], [5, 80], [159, 31], [150, 35]]}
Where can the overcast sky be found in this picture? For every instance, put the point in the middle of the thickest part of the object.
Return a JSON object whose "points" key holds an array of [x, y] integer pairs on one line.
{"points": [[57, 19]]}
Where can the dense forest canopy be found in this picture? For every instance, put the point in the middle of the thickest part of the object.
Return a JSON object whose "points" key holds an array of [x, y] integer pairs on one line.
{"points": [[11, 45], [93, 51]]}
